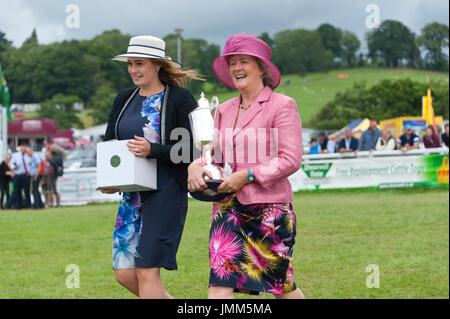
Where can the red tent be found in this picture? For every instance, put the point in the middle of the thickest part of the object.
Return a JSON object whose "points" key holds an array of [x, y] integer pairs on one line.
{"points": [[32, 127], [39, 129]]}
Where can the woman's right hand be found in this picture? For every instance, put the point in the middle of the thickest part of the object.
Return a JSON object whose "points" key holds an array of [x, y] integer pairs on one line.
{"points": [[196, 173], [108, 190]]}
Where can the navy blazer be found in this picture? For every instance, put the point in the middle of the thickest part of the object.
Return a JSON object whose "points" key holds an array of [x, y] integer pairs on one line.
{"points": [[353, 144], [174, 114]]}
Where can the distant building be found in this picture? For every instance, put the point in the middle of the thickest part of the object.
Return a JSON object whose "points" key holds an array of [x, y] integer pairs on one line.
{"points": [[34, 107], [37, 132]]}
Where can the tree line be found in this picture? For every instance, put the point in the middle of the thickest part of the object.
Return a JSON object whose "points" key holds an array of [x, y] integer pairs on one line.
{"points": [[82, 70], [386, 99]]}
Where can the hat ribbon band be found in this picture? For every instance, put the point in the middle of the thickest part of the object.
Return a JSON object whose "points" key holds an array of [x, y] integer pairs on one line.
{"points": [[146, 46], [152, 55]]}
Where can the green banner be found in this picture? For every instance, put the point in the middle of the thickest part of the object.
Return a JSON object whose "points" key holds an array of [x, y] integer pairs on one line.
{"points": [[398, 170], [435, 169]]}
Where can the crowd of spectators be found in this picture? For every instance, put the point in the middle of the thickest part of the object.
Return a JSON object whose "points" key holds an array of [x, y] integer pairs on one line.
{"points": [[31, 175], [374, 139]]}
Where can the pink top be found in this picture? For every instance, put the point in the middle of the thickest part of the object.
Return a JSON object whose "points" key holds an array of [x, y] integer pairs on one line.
{"points": [[267, 138]]}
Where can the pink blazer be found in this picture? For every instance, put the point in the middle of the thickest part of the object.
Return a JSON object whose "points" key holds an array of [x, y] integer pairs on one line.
{"points": [[267, 138]]}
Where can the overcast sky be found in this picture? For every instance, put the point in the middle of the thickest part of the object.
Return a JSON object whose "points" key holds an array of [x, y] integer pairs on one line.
{"points": [[213, 20]]}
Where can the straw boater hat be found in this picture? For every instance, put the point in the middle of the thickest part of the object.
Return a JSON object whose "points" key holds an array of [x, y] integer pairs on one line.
{"points": [[247, 45], [146, 46]]}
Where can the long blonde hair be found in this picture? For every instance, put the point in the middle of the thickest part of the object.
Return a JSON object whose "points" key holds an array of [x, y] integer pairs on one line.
{"points": [[171, 75]]}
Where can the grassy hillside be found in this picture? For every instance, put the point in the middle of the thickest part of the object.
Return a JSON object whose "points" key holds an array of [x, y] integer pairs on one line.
{"points": [[320, 88]]}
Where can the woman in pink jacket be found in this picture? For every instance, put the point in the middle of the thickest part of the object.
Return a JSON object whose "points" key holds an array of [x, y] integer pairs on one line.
{"points": [[259, 144]]}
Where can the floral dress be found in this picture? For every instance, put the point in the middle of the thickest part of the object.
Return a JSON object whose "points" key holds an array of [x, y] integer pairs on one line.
{"points": [[145, 112], [250, 246]]}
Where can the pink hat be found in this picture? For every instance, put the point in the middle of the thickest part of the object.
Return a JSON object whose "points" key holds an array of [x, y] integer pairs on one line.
{"points": [[247, 45]]}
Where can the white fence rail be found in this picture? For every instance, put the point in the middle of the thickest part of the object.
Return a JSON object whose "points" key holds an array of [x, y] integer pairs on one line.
{"points": [[77, 187], [364, 154], [363, 169]]}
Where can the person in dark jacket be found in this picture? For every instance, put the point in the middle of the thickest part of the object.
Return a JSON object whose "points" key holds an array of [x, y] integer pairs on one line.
{"points": [[149, 224], [326, 145], [56, 163], [5, 178], [348, 144], [445, 136], [408, 141]]}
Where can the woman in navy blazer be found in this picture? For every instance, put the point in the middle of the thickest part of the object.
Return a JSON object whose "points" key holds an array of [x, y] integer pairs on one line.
{"points": [[149, 224]]}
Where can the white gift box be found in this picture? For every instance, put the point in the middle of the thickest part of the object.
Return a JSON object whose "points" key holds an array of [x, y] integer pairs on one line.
{"points": [[117, 167]]}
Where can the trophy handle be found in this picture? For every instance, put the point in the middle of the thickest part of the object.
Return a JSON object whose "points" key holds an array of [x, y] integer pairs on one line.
{"points": [[214, 107], [215, 102]]}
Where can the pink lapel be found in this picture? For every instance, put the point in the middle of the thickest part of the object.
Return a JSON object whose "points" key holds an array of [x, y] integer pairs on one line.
{"points": [[255, 108]]}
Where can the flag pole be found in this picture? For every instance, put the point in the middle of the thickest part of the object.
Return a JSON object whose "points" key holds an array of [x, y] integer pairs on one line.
{"points": [[5, 113], [431, 111]]}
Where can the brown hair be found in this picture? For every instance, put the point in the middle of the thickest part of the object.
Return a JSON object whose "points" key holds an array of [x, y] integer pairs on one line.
{"points": [[267, 78], [431, 127], [171, 75]]}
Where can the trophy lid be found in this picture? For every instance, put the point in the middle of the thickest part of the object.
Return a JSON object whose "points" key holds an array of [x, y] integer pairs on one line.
{"points": [[203, 102]]}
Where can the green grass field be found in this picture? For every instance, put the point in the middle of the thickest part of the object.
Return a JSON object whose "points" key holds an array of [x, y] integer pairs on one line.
{"points": [[339, 233], [321, 88]]}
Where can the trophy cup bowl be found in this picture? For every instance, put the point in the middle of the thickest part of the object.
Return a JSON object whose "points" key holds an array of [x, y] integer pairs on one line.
{"points": [[202, 125]]}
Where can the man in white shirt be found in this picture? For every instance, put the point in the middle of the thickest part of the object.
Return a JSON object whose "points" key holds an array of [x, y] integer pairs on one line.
{"points": [[21, 180], [386, 142], [35, 170]]}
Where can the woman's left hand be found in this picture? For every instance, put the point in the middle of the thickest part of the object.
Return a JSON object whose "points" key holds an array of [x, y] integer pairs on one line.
{"points": [[139, 146], [233, 182]]}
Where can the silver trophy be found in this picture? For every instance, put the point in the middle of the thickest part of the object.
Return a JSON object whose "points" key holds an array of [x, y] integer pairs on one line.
{"points": [[202, 120]]}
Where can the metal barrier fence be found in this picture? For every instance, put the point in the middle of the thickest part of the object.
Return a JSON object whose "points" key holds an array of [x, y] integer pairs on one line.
{"points": [[365, 154]]}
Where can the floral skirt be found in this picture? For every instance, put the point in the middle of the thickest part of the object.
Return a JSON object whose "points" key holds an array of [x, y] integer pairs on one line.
{"points": [[250, 246], [148, 231], [127, 231]]}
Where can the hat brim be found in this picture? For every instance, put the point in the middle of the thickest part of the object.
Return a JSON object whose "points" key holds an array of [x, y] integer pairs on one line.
{"points": [[124, 58], [221, 69]]}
